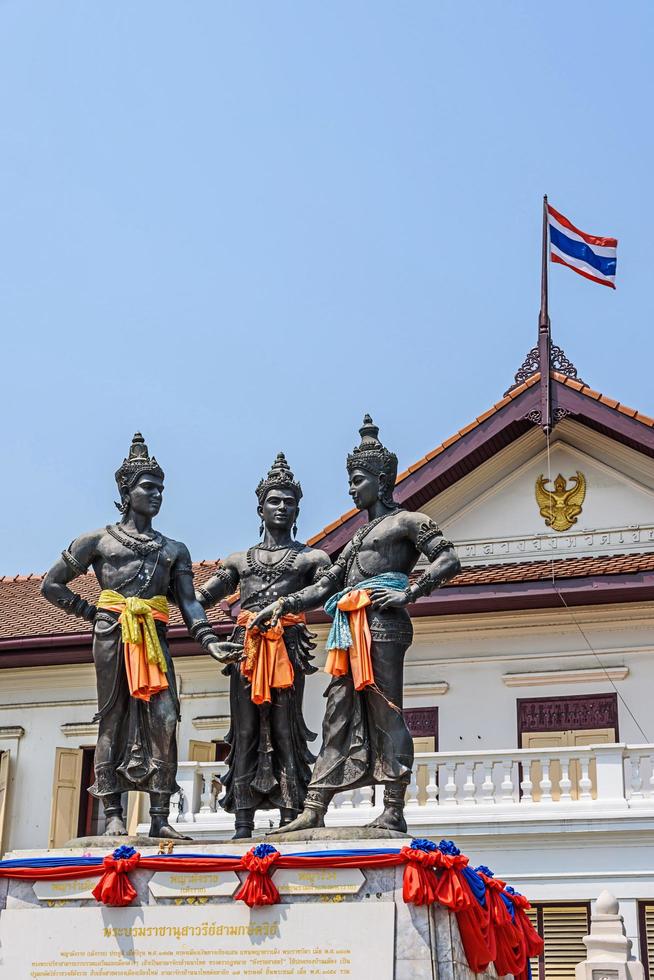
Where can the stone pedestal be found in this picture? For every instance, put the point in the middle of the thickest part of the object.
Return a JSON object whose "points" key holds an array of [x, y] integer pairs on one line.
{"points": [[329, 923], [609, 950]]}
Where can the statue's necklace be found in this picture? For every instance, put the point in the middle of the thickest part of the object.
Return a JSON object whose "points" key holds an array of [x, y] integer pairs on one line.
{"points": [[357, 542], [271, 573], [140, 546]]}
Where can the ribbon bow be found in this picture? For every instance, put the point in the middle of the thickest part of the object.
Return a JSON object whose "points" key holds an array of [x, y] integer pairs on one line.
{"points": [[114, 887], [258, 888]]}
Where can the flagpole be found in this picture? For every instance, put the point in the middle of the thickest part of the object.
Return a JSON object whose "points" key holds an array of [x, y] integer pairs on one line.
{"points": [[544, 335]]}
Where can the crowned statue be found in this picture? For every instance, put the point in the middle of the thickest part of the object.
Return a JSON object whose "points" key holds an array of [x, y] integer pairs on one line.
{"points": [[269, 763], [137, 569], [365, 740]]}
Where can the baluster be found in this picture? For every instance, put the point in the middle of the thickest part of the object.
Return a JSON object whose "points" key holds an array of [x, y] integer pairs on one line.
{"points": [[450, 786], [488, 786], [176, 806], [412, 792], [545, 784], [469, 785], [507, 781], [526, 784], [636, 778], [347, 800], [650, 791], [585, 783], [565, 783], [366, 795], [205, 800], [432, 785]]}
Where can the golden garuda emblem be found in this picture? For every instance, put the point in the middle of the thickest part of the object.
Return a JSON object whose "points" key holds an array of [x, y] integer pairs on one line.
{"points": [[561, 506]]}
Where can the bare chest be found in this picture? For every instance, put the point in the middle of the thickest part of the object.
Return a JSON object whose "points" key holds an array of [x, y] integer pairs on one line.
{"points": [[384, 548], [135, 571]]}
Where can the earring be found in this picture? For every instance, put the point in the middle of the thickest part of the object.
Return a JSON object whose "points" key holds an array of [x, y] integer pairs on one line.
{"points": [[295, 529], [261, 530]]}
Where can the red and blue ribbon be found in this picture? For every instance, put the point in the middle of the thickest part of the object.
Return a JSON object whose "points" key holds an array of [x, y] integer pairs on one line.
{"points": [[491, 915]]}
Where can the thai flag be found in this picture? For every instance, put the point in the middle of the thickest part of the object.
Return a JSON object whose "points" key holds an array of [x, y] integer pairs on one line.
{"points": [[589, 255]]}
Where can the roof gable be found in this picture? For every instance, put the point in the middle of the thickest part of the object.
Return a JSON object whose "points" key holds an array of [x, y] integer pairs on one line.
{"points": [[502, 425]]}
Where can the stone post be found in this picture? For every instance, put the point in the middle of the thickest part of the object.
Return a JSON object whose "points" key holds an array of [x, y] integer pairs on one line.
{"points": [[609, 950]]}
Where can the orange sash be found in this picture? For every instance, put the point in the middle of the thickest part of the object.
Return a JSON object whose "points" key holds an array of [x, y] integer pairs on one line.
{"points": [[144, 677], [357, 658], [266, 664]]}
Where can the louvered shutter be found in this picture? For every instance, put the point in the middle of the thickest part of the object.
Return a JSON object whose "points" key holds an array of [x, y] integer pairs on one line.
{"points": [[532, 915], [647, 941], [66, 790], [564, 927]]}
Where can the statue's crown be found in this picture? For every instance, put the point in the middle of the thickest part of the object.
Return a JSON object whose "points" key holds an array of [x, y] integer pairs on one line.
{"points": [[138, 461], [279, 476], [370, 455]]}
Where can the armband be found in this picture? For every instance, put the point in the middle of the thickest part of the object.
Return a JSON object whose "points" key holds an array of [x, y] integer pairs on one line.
{"points": [[203, 634], [73, 563]]}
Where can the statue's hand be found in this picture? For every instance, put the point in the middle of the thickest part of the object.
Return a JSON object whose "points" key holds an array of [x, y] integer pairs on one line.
{"points": [[267, 617], [226, 652], [387, 598]]}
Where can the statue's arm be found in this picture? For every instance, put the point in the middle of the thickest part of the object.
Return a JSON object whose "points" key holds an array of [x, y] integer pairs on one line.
{"points": [[74, 561], [220, 585], [443, 561], [193, 613]]}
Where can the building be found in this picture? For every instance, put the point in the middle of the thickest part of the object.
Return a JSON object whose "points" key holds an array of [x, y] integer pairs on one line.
{"points": [[528, 686]]}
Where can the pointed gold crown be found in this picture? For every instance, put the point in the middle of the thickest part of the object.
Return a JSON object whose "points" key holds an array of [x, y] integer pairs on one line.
{"points": [[371, 456], [138, 461], [279, 476]]}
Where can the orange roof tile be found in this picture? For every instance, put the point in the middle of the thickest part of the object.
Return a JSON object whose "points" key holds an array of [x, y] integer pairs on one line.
{"points": [[24, 612], [532, 571]]}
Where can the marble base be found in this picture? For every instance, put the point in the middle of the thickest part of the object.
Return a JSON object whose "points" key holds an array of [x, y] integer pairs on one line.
{"points": [[425, 946]]}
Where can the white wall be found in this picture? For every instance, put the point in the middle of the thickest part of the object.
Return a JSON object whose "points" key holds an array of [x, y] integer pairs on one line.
{"points": [[471, 654]]}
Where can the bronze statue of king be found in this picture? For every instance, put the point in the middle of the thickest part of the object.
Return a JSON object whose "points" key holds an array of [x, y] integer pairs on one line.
{"points": [[138, 570], [365, 739], [269, 764]]}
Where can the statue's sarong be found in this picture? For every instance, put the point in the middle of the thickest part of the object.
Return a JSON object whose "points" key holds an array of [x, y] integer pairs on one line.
{"points": [[269, 763], [138, 706], [365, 738]]}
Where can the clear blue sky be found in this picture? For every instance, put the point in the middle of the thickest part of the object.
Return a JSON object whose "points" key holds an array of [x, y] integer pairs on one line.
{"points": [[238, 226]]}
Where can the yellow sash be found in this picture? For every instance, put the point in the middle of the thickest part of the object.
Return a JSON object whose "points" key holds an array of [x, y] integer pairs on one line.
{"points": [[145, 663]]}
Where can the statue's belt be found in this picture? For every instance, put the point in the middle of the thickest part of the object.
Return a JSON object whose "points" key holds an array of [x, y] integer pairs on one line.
{"points": [[349, 642], [266, 663], [145, 664]]}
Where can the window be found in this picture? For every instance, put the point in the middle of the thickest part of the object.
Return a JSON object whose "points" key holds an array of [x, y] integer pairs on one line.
{"points": [[565, 723], [646, 929], [563, 928]]}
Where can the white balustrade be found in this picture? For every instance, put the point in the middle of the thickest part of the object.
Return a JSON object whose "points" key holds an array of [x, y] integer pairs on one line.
{"points": [[513, 784]]}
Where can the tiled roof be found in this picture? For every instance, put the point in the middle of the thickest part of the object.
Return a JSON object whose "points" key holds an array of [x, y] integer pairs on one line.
{"points": [[497, 407], [24, 612], [534, 571]]}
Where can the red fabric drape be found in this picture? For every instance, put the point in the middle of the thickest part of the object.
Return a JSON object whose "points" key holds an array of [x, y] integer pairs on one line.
{"points": [[114, 887], [488, 932], [477, 932], [258, 888]]}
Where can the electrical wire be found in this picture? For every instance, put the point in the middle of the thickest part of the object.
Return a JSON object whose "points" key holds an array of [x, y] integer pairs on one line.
{"points": [[574, 618]]}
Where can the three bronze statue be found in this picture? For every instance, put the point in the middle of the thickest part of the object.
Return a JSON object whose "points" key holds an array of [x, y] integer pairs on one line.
{"points": [[365, 740]]}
